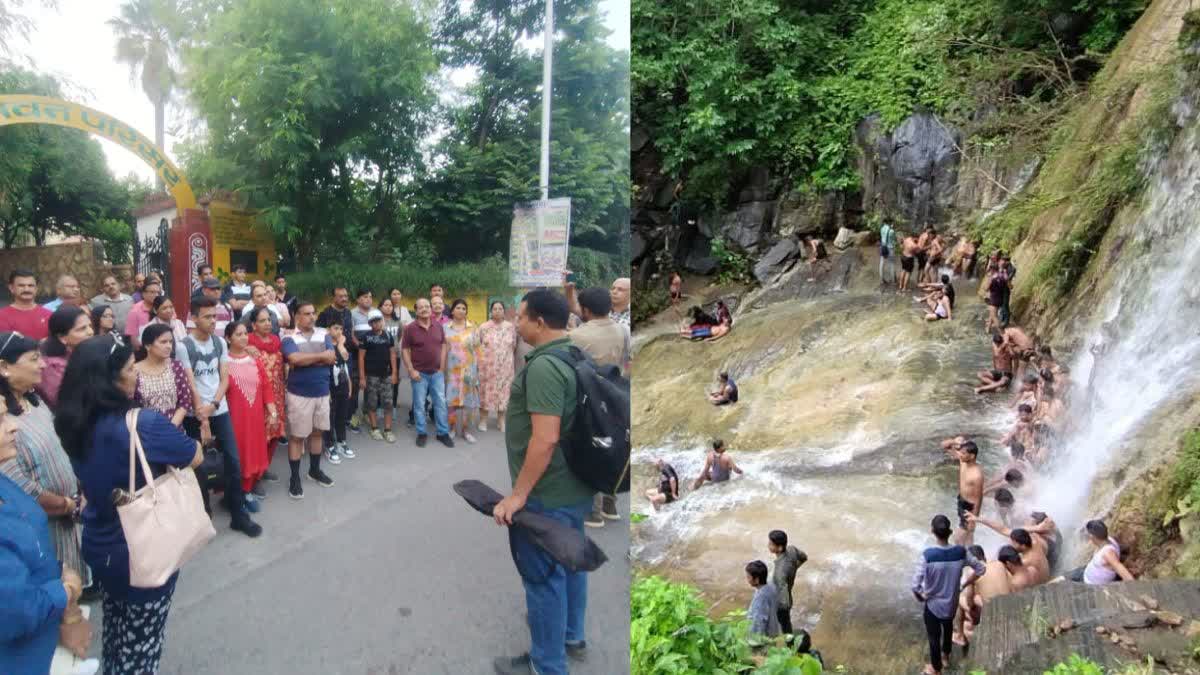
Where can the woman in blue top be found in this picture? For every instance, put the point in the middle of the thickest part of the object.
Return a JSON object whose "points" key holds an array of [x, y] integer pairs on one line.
{"points": [[35, 593], [96, 392]]}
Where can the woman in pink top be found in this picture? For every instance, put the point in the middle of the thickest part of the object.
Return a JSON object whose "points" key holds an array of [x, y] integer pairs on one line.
{"points": [[1105, 566], [68, 326]]}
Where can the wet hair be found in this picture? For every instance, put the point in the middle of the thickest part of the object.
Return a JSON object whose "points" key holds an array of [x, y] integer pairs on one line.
{"points": [[778, 537], [1021, 537], [724, 375], [997, 338], [60, 323], [15, 346], [1024, 408], [1014, 478], [1047, 375], [1030, 379], [1097, 529], [1044, 350], [977, 553], [1008, 554], [596, 300], [547, 305], [1038, 517], [1004, 497], [940, 526], [1017, 448], [970, 447], [718, 444], [757, 571], [945, 278], [89, 389]]}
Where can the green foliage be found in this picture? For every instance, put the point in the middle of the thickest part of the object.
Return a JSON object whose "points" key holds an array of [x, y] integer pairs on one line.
{"points": [[783, 661], [52, 179], [117, 237], [1076, 665], [722, 88], [637, 517], [670, 633], [732, 267], [489, 275], [316, 110]]}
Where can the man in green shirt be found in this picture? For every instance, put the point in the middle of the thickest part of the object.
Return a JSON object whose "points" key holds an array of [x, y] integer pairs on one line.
{"points": [[541, 408]]}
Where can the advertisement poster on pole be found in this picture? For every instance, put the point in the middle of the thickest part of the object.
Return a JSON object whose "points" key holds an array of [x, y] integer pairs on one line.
{"points": [[537, 252]]}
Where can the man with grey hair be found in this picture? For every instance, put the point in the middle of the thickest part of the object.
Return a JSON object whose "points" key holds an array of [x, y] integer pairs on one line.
{"points": [[67, 290], [113, 297]]}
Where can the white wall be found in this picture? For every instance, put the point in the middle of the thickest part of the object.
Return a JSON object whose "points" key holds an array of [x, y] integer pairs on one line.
{"points": [[147, 226]]}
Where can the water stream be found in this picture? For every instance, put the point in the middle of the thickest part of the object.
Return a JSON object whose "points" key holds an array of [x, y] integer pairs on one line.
{"points": [[844, 399]]}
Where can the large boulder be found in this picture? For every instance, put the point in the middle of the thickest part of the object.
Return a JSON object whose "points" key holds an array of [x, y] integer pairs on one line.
{"points": [[698, 256], [778, 260], [746, 228], [800, 213], [911, 170]]}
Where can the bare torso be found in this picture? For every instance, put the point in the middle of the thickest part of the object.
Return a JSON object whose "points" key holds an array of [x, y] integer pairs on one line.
{"points": [[995, 582]]}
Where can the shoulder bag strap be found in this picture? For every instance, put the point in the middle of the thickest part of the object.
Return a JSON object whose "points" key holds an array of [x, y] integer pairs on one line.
{"points": [[135, 449]]}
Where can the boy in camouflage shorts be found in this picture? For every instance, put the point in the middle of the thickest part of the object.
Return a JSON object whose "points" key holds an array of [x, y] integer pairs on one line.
{"points": [[377, 374]]}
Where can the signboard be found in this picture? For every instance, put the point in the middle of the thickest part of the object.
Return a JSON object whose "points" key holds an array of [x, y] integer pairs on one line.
{"points": [[537, 253], [236, 228]]}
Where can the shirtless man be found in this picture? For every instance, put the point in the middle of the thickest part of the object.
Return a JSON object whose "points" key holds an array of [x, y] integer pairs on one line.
{"points": [[1000, 376], [970, 488], [718, 466], [1021, 346], [908, 257], [937, 248], [1028, 393], [978, 591], [963, 258], [1024, 433], [1034, 548], [1020, 576], [923, 243]]}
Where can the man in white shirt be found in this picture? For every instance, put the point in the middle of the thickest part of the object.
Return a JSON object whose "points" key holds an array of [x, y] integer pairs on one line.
{"points": [[113, 297]]}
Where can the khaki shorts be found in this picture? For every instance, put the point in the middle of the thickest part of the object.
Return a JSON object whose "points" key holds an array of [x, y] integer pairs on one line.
{"points": [[306, 414]]}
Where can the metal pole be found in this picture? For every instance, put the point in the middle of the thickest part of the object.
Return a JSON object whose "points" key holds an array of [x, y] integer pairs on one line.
{"points": [[547, 59]]}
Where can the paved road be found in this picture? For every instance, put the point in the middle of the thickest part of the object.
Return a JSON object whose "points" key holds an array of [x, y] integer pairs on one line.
{"points": [[386, 572]]}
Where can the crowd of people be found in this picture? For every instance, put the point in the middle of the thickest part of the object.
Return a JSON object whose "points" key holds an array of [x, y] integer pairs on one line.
{"points": [[252, 369]]}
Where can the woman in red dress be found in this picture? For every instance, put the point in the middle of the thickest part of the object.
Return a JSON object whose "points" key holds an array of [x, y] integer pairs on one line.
{"points": [[251, 407], [266, 347]]}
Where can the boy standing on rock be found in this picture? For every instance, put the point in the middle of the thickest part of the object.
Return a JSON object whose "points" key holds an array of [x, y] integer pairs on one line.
{"points": [[788, 559]]}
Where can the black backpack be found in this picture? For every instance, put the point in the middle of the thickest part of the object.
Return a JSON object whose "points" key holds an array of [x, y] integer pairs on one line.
{"points": [[597, 445]]}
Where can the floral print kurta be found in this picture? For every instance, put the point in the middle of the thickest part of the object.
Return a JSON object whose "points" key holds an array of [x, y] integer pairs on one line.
{"points": [[498, 343], [271, 358], [462, 372]]}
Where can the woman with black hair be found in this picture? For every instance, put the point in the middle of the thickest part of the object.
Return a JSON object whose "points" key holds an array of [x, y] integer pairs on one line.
{"points": [[41, 467], [97, 391], [164, 313], [104, 322], [163, 384], [68, 327]]}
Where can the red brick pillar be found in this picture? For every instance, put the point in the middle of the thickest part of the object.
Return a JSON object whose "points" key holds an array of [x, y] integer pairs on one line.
{"points": [[191, 245]]}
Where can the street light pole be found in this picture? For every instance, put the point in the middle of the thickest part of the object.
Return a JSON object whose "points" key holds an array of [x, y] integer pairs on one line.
{"points": [[547, 59]]}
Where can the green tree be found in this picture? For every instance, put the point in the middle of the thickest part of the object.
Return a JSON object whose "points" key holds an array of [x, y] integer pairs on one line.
{"points": [[316, 111], [147, 34]]}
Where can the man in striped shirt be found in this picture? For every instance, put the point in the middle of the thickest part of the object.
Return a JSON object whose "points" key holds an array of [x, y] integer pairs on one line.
{"points": [[936, 584]]}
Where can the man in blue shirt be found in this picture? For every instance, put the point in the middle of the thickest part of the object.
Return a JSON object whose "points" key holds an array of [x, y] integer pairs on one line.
{"points": [[309, 353], [764, 608], [936, 585]]}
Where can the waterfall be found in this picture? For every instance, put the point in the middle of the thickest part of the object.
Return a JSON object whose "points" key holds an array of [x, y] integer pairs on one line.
{"points": [[1144, 344]]}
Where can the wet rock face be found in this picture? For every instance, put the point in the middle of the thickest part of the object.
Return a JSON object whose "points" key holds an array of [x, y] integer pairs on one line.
{"points": [[911, 171], [778, 260]]}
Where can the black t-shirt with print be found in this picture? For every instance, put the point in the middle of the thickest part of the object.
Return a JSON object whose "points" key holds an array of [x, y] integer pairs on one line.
{"points": [[377, 348]]}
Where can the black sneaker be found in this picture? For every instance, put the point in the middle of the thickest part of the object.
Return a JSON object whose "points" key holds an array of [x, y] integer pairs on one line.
{"points": [[320, 477], [246, 526], [295, 489], [609, 510], [446, 441], [577, 651], [258, 491], [270, 477], [422, 439], [509, 665]]}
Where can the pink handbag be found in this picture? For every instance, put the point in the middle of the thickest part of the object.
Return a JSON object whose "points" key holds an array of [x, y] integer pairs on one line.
{"points": [[165, 523]]}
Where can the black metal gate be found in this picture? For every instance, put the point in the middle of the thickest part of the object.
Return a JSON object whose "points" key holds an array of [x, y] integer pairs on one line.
{"points": [[153, 255]]}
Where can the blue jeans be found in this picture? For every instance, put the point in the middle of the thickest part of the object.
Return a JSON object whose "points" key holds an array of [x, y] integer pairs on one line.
{"points": [[435, 385], [555, 598]]}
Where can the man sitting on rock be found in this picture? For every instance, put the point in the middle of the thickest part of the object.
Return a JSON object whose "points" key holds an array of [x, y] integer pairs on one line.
{"points": [[1001, 374], [726, 393]]}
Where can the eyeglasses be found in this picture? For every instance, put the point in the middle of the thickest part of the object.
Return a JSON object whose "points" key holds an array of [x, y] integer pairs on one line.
{"points": [[10, 337]]}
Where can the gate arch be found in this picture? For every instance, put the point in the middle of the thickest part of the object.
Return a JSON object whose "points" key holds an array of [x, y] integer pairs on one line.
{"points": [[29, 109]]}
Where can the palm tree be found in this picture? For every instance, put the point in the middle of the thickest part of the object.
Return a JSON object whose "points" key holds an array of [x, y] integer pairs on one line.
{"points": [[147, 33]]}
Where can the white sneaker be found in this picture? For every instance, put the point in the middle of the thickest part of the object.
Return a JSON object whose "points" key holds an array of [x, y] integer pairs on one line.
{"points": [[332, 455], [469, 438], [483, 427], [347, 452]]}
